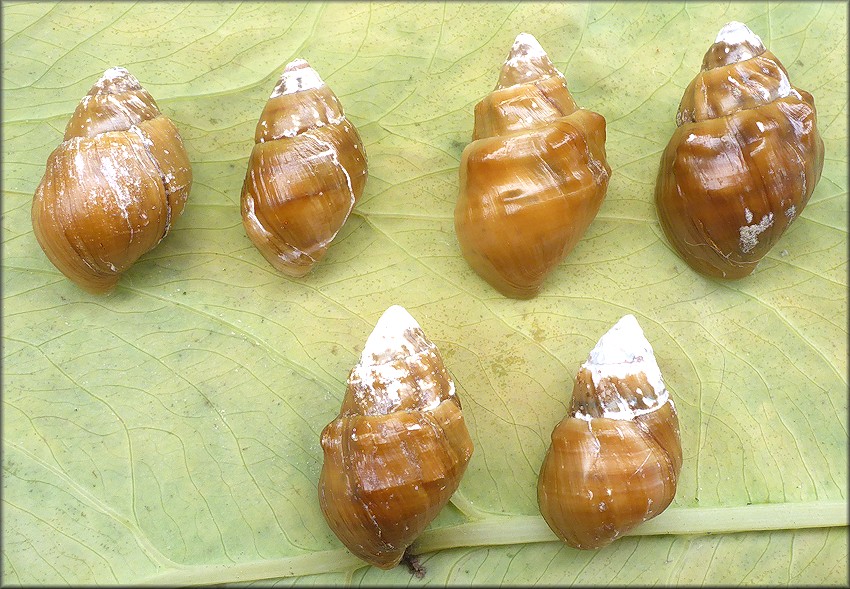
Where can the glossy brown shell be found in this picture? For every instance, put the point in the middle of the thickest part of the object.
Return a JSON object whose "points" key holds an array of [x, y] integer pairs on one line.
{"points": [[533, 178], [305, 174], [602, 476], [113, 187], [399, 447], [743, 162]]}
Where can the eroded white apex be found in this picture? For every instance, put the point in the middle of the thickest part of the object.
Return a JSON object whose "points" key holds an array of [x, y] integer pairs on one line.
{"points": [[119, 75], [735, 33], [624, 351], [296, 77], [389, 334], [113, 73], [526, 47], [526, 62]]}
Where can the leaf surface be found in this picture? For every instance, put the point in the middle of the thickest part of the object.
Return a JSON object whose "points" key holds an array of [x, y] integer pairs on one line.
{"points": [[169, 432]]}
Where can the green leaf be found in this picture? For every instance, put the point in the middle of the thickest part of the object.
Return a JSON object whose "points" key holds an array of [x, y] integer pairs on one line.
{"points": [[169, 432]]}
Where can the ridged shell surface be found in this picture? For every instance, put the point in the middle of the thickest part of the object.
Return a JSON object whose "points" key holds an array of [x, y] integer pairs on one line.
{"points": [[399, 447], [743, 162], [615, 459], [305, 174], [534, 176], [114, 186]]}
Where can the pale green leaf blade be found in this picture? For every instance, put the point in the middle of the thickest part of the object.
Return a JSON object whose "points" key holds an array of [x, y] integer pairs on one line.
{"points": [[169, 432]]}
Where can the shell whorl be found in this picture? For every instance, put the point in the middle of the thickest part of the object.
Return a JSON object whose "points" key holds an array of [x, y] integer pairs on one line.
{"points": [[526, 63]]}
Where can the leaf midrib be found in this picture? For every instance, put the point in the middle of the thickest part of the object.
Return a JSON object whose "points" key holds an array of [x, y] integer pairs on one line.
{"points": [[521, 529]]}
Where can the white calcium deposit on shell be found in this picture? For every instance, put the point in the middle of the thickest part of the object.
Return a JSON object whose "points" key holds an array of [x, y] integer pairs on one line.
{"points": [[527, 56], [621, 352], [389, 335], [735, 33], [387, 342], [297, 76], [750, 233], [115, 73], [525, 48]]}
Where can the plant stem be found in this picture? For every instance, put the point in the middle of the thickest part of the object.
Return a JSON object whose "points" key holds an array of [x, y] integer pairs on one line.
{"points": [[683, 521], [525, 529], [329, 561]]}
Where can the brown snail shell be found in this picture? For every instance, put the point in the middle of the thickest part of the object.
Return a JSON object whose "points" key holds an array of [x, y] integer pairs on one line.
{"points": [[399, 446], [534, 176], [306, 172], [615, 458], [113, 187], [743, 162]]}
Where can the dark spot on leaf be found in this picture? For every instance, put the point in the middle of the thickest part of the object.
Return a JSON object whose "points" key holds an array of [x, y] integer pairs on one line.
{"points": [[413, 565]]}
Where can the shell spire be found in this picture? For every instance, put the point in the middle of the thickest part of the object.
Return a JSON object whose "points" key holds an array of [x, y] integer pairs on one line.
{"points": [[395, 333], [115, 80], [297, 76], [734, 43], [526, 62], [737, 33], [399, 368], [622, 352], [399, 446]]}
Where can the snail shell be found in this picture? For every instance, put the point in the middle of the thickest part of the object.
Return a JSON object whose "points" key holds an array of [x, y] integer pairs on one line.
{"points": [[534, 176], [743, 162], [615, 458], [399, 446], [113, 187], [306, 172]]}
